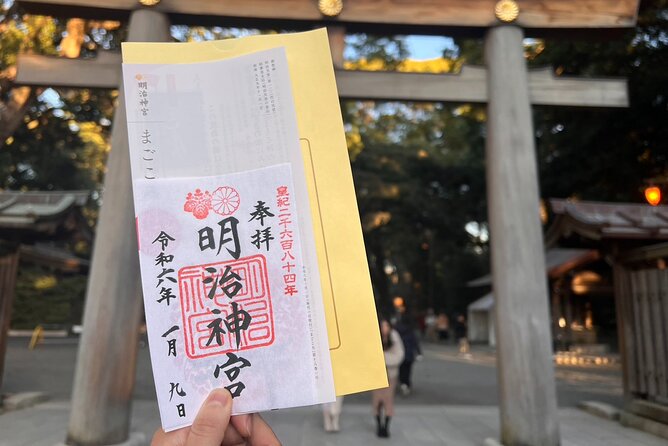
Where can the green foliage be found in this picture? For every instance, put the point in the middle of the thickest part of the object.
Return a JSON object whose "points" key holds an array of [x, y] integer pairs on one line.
{"points": [[42, 300], [30, 34], [63, 140], [389, 50], [419, 180], [60, 148], [608, 154]]}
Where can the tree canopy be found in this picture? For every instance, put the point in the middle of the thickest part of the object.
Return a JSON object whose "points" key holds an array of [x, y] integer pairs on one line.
{"points": [[418, 167]]}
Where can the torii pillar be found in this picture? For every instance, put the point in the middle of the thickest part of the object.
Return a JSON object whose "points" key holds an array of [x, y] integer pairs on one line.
{"points": [[101, 400], [528, 402]]}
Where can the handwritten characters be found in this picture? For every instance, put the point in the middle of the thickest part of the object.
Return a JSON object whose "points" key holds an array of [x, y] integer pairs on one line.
{"points": [[163, 260], [286, 240], [262, 236], [226, 305], [165, 279]]}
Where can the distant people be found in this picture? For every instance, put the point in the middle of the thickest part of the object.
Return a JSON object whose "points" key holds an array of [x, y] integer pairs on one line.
{"points": [[460, 334], [430, 325], [443, 327], [412, 352], [331, 413], [383, 399]]}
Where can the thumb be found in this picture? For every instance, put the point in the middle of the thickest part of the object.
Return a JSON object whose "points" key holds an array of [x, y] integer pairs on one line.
{"points": [[210, 424]]}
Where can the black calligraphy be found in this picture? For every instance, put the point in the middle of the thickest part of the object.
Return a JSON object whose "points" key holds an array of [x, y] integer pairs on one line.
{"points": [[228, 234], [232, 368], [166, 275]]}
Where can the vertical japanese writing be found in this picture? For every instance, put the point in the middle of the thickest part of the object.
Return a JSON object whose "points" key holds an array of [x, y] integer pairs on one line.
{"points": [[236, 320], [232, 368], [264, 88], [286, 239], [148, 155], [176, 388], [142, 85], [261, 237], [165, 278], [171, 343], [165, 281]]}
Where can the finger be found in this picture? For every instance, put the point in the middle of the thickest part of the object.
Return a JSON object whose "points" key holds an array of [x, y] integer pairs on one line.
{"points": [[232, 436], [212, 420], [243, 424], [261, 434], [174, 438]]}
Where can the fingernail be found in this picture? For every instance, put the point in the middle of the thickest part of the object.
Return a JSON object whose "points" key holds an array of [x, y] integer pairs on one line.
{"points": [[219, 396]]}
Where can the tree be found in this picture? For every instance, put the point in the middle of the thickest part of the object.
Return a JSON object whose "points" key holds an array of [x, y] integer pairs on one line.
{"points": [[608, 154], [419, 178], [54, 139], [419, 181]]}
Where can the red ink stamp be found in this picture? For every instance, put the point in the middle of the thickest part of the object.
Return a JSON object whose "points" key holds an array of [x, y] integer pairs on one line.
{"points": [[225, 200], [201, 306], [198, 203]]}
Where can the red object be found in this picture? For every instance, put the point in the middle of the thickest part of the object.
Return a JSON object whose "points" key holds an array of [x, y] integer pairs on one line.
{"points": [[653, 195], [254, 297]]}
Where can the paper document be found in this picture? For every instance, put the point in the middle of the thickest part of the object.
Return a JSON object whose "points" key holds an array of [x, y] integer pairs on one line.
{"points": [[354, 340], [227, 253]]}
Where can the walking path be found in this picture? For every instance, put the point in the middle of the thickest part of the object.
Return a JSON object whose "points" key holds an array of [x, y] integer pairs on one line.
{"points": [[417, 425]]}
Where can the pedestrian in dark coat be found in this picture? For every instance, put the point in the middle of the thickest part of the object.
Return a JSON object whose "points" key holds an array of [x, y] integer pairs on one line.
{"points": [[412, 352]]}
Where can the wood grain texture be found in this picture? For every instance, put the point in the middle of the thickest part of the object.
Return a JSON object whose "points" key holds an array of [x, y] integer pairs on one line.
{"points": [[636, 302], [527, 395], [434, 13], [105, 370], [100, 72], [659, 341], [8, 270], [624, 313], [468, 86]]}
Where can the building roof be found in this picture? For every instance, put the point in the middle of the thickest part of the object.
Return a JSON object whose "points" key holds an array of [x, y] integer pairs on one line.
{"points": [[37, 211], [485, 303], [557, 262], [597, 220]]}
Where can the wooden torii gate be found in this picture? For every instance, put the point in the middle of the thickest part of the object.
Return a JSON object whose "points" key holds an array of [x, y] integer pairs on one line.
{"points": [[103, 387]]}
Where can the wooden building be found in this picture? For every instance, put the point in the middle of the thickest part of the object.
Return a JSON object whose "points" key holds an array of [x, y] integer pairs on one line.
{"points": [[632, 239], [27, 218]]}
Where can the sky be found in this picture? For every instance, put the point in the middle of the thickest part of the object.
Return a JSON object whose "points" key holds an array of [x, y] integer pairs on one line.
{"points": [[427, 47]]}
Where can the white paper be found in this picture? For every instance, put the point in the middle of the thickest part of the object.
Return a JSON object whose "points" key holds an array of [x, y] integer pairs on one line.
{"points": [[225, 133]]}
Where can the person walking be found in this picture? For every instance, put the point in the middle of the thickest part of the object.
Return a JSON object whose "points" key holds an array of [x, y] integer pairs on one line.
{"points": [[383, 399], [461, 330], [331, 413], [412, 352], [443, 327]]}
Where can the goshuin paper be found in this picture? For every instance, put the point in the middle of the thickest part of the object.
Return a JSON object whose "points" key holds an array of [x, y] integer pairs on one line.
{"points": [[346, 287], [228, 263]]}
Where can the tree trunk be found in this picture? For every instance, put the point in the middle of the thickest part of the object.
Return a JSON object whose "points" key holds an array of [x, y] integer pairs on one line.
{"points": [[13, 111]]}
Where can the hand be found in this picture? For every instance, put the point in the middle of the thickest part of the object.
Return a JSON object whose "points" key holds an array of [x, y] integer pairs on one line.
{"points": [[419, 358], [213, 426]]}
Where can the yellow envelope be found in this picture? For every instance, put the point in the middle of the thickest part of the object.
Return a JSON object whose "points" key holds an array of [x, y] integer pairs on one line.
{"points": [[354, 339]]}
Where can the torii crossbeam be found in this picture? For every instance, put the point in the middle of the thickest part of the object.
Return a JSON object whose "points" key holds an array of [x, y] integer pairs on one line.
{"points": [[102, 393]]}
